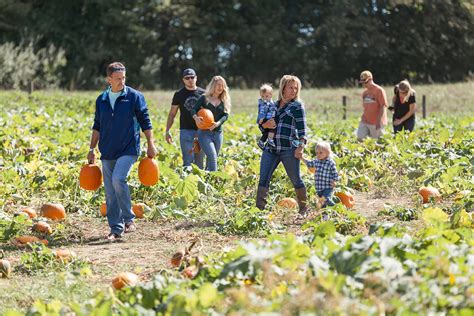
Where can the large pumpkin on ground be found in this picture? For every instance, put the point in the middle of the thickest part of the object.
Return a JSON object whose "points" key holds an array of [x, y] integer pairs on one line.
{"points": [[90, 177], [178, 258], [207, 118], [5, 268], [27, 239], [427, 192], [42, 227], [148, 171], [53, 211], [288, 203], [124, 279], [346, 199], [139, 209]]}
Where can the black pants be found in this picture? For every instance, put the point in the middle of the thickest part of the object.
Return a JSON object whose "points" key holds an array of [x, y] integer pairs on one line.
{"points": [[408, 125]]}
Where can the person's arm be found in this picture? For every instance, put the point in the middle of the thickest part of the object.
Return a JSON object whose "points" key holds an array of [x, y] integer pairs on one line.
{"points": [[300, 125], [94, 140], [169, 122], [95, 135], [196, 108], [151, 149], [382, 109]]}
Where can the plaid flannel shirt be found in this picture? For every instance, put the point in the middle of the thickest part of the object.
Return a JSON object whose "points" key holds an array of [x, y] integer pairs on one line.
{"points": [[290, 125], [325, 173]]}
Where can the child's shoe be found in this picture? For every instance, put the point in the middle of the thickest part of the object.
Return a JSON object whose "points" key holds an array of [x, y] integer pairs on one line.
{"points": [[261, 144], [271, 143]]}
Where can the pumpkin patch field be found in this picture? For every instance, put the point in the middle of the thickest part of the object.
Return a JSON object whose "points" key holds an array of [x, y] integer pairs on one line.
{"points": [[398, 241]]}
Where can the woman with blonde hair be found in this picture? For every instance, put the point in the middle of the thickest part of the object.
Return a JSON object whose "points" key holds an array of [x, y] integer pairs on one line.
{"points": [[403, 106], [289, 123], [217, 100]]}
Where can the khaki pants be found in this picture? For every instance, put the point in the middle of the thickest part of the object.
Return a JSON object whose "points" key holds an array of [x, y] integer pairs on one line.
{"points": [[368, 130]]}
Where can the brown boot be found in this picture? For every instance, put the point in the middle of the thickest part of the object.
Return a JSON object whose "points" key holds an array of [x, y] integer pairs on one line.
{"points": [[302, 201], [262, 193]]}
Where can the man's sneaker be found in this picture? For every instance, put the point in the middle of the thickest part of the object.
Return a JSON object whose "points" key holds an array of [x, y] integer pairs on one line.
{"points": [[113, 236], [261, 144], [130, 227], [271, 143]]}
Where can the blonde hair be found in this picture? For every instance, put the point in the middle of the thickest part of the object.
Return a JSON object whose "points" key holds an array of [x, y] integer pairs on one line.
{"points": [[284, 81], [224, 96], [266, 87], [404, 85], [365, 76], [326, 146]]}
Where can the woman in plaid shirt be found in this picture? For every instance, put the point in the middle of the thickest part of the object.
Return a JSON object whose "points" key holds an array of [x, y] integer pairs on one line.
{"points": [[325, 176], [290, 138]]}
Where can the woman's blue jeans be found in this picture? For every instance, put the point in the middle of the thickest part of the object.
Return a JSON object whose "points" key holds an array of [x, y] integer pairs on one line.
{"points": [[117, 193], [211, 143], [186, 139], [269, 162]]}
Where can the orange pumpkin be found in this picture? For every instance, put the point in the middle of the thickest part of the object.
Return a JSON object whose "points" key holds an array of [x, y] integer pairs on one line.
{"points": [[427, 192], [53, 211], [42, 227], [346, 199], [27, 239], [288, 203], [5, 268], [64, 254], [29, 211], [124, 279], [90, 177], [103, 209], [139, 209], [207, 118], [148, 171], [178, 258]]}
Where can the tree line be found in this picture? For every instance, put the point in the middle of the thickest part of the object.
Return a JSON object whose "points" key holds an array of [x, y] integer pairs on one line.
{"points": [[67, 44]]}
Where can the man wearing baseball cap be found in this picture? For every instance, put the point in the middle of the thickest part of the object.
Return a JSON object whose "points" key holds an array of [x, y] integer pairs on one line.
{"points": [[374, 101], [184, 101]]}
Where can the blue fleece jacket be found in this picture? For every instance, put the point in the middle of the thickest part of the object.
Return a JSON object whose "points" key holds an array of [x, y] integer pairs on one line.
{"points": [[119, 127]]}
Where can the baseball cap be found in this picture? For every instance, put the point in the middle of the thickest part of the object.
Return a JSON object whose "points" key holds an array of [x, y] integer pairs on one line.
{"points": [[189, 72], [364, 76]]}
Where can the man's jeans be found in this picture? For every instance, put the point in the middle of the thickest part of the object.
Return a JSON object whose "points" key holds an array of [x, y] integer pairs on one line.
{"points": [[269, 162], [117, 193], [186, 138], [211, 143]]}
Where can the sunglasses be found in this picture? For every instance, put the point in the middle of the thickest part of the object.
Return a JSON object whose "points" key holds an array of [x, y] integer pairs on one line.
{"points": [[188, 78]]}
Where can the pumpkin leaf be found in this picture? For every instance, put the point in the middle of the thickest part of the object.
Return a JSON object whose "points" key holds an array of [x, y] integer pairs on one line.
{"points": [[433, 215]]}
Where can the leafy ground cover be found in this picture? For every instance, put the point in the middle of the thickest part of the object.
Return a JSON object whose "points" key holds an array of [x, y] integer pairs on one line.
{"points": [[389, 254]]}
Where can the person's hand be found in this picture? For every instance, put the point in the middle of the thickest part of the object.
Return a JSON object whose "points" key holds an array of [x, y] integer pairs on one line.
{"points": [[91, 157], [299, 152], [151, 151], [260, 121], [333, 183], [213, 126], [269, 124], [197, 119], [397, 122], [168, 138]]}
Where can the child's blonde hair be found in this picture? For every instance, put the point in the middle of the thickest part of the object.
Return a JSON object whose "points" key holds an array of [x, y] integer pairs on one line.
{"points": [[326, 146], [265, 88]]}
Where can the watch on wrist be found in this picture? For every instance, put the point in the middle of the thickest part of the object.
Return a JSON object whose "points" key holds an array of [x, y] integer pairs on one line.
{"points": [[91, 150]]}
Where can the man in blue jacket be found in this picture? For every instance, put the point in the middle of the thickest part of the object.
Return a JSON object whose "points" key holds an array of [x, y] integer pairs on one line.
{"points": [[120, 112]]}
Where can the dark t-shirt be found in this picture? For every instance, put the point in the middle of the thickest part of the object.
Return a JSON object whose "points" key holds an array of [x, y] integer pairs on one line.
{"points": [[220, 115], [186, 99], [400, 109]]}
